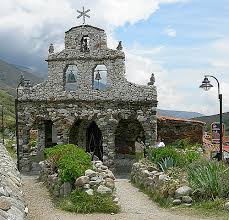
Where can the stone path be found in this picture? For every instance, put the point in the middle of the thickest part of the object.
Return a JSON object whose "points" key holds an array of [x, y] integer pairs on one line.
{"points": [[135, 205]]}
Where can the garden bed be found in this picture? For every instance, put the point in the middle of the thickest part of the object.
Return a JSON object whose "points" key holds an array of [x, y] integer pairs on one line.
{"points": [[77, 183], [179, 176]]}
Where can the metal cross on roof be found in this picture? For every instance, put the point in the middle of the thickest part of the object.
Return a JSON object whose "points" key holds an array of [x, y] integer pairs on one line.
{"points": [[83, 14]]}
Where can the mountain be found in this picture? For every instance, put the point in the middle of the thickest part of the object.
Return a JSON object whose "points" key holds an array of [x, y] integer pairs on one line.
{"points": [[30, 70], [8, 110], [215, 118], [10, 74], [178, 114]]}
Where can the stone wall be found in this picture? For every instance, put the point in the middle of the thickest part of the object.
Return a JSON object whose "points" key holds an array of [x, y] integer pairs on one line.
{"points": [[147, 176], [173, 129], [12, 205]]}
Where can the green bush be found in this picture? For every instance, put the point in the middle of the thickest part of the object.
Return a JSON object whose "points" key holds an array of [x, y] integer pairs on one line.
{"points": [[70, 161], [208, 179], [185, 144], [192, 156], [80, 202], [156, 155]]}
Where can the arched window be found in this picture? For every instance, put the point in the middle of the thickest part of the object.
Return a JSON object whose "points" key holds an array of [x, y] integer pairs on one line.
{"points": [[99, 80], [85, 44], [71, 74]]}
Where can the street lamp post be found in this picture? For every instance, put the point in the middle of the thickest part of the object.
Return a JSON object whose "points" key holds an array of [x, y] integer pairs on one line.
{"points": [[21, 83], [206, 85]]}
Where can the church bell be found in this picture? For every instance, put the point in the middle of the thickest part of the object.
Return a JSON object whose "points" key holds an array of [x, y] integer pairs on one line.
{"points": [[71, 77]]}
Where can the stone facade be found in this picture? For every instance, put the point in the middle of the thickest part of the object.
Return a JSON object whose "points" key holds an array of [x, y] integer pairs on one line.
{"points": [[173, 129], [86, 115]]}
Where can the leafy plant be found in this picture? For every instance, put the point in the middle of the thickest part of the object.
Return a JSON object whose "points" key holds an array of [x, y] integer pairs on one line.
{"points": [[156, 155], [80, 202], [70, 161], [192, 156], [205, 178], [166, 163]]}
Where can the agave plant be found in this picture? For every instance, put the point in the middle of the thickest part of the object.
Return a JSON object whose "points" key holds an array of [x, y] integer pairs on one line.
{"points": [[166, 163]]}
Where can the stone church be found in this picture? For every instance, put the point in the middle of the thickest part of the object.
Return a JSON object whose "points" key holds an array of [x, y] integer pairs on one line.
{"points": [[87, 101]]}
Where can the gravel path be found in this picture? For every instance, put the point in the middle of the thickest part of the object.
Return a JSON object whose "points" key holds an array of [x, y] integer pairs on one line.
{"points": [[135, 205]]}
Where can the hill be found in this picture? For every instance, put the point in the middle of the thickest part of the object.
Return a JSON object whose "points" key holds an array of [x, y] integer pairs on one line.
{"points": [[215, 118], [8, 110], [10, 74], [178, 114]]}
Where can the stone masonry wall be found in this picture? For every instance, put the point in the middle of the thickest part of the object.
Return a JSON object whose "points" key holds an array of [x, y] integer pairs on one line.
{"points": [[12, 205], [173, 129]]}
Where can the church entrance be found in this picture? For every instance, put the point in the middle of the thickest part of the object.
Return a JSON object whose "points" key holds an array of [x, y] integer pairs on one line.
{"points": [[94, 140]]}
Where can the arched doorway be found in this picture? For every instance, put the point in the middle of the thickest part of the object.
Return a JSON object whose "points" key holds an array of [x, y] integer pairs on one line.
{"points": [[94, 140], [129, 145]]}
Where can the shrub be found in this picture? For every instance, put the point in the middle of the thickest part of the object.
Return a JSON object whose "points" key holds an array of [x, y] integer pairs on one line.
{"points": [[70, 161], [186, 144], [192, 156], [156, 155], [80, 202], [207, 179]]}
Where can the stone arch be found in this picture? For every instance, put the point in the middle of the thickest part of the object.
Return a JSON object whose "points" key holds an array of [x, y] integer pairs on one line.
{"points": [[99, 77], [127, 133], [94, 140], [85, 44], [70, 77], [129, 144], [87, 134]]}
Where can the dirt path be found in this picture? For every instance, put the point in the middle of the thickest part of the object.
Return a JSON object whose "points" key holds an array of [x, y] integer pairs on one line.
{"points": [[135, 205]]}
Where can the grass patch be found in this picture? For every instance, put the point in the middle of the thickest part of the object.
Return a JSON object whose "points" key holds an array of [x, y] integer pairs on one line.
{"points": [[10, 149], [80, 202], [207, 208]]}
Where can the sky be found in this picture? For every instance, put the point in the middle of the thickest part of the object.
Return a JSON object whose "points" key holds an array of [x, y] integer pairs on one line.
{"points": [[179, 41]]}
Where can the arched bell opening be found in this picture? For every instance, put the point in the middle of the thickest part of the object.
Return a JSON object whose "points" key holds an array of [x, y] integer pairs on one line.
{"points": [[70, 78]]}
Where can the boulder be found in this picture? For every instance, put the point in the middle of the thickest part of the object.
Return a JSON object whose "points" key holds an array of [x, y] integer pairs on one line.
{"points": [[183, 191], [65, 189], [90, 192], [103, 190], [81, 181], [90, 173], [86, 186], [186, 199], [3, 192], [5, 205], [176, 202], [164, 177], [110, 175], [110, 183], [226, 206]]}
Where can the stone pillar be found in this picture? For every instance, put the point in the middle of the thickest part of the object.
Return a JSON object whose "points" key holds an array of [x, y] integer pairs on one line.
{"points": [[41, 137], [150, 128], [63, 127], [108, 128], [40, 141], [24, 150]]}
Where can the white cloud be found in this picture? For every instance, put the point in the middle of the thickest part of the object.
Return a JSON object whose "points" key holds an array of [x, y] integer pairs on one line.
{"points": [[27, 27], [170, 32]]}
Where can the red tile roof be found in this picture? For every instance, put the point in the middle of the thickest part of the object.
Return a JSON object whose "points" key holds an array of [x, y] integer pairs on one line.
{"points": [[164, 118]]}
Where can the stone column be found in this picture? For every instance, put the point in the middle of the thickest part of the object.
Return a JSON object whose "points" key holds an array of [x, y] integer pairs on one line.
{"points": [[108, 128], [24, 150], [40, 141]]}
